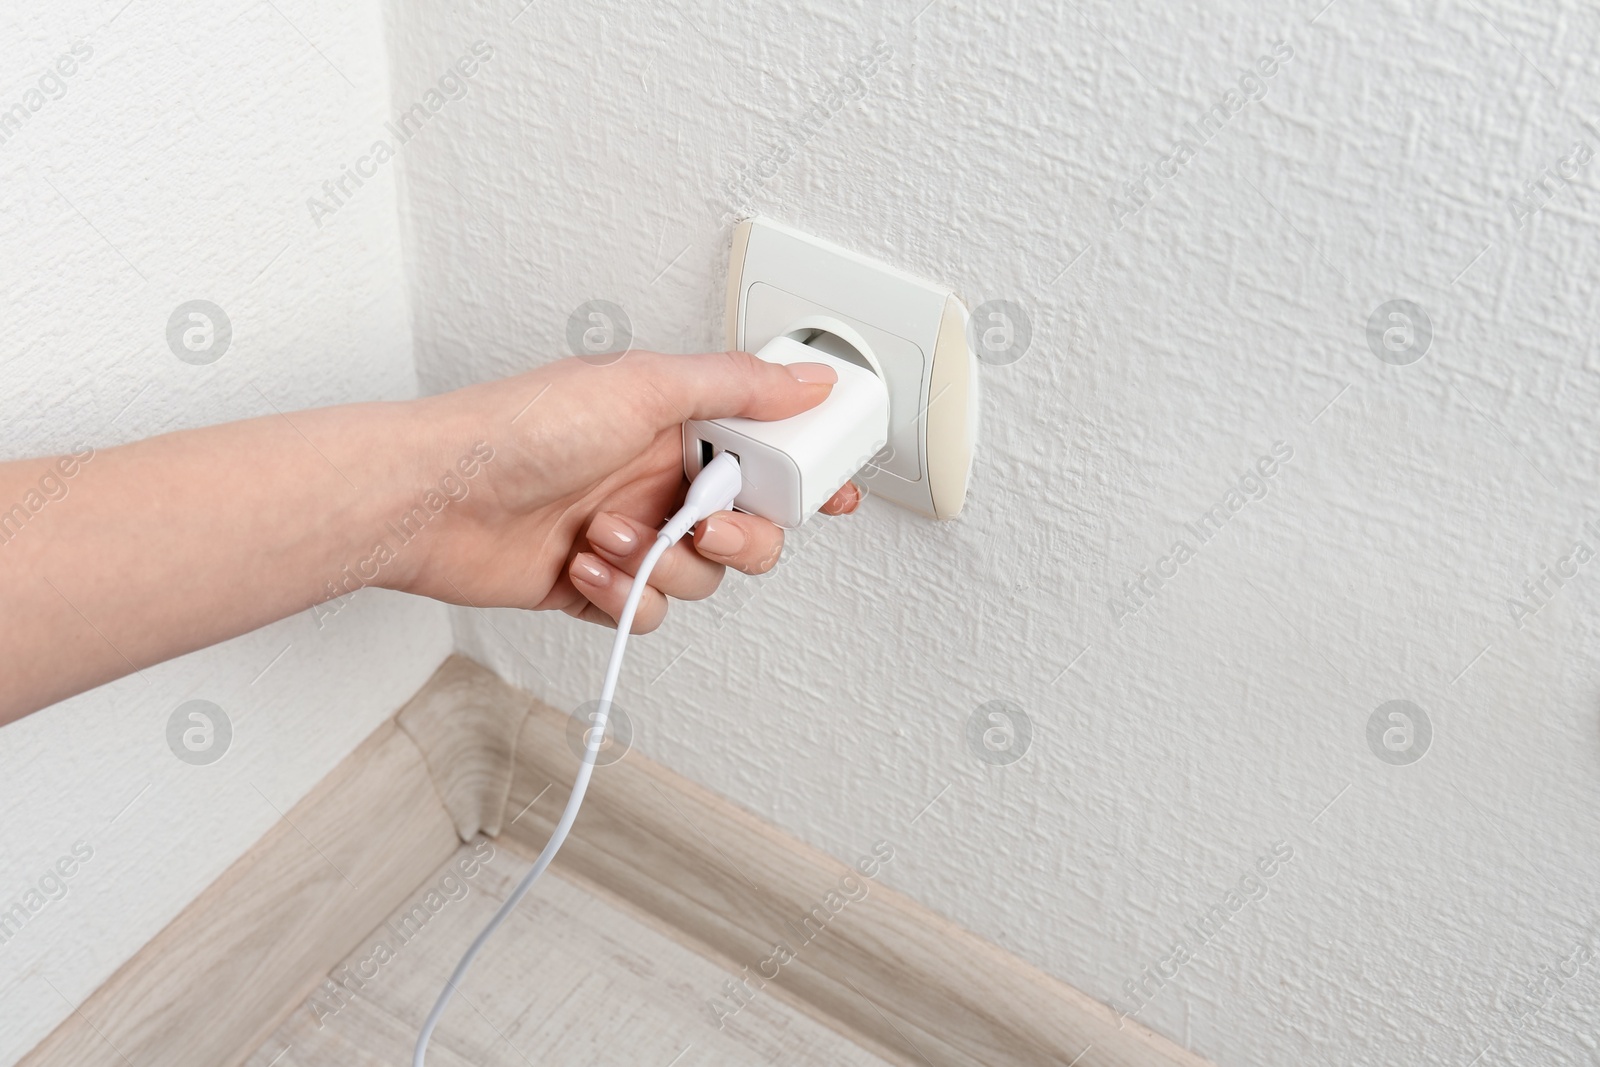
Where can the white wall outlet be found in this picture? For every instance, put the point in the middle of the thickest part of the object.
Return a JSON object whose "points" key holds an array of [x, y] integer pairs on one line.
{"points": [[913, 334]]}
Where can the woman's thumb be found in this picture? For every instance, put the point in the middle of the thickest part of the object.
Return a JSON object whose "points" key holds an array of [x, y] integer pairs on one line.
{"points": [[717, 385]]}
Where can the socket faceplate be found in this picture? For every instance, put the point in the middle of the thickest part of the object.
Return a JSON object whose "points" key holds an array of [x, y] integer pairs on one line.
{"points": [[779, 278]]}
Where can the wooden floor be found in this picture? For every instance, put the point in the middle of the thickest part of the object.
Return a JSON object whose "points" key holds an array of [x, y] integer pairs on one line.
{"points": [[570, 979]]}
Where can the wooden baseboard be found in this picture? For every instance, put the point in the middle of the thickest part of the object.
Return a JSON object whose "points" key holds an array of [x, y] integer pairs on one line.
{"points": [[465, 721], [897, 978], [220, 977], [470, 753]]}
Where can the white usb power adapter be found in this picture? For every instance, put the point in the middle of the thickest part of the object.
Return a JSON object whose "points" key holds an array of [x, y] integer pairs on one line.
{"points": [[790, 467]]}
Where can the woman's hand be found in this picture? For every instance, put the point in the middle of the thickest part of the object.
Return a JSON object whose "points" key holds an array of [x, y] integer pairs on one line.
{"points": [[587, 463]]}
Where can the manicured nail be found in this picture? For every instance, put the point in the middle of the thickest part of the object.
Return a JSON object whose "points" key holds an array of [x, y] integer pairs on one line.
{"points": [[588, 568], [609, 533], [844, 501], [813, 373], [720, 538]]}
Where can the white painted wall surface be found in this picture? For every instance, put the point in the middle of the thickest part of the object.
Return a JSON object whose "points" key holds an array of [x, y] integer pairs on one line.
{"points": [[589, 159], [173, 164]]}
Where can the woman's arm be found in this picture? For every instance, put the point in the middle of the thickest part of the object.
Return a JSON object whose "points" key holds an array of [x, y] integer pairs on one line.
{"points": [[538, 491]]}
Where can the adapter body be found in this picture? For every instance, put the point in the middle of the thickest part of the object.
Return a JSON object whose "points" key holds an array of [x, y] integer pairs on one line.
{"points": [[791, 467]]}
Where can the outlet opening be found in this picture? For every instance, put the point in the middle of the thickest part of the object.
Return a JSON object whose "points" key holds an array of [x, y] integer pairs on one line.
{"points": [[831, 343], [705, 453]]}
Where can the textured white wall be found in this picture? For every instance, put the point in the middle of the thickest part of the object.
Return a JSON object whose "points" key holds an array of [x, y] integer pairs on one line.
{"points": [[1433, 907], [174, 163]]}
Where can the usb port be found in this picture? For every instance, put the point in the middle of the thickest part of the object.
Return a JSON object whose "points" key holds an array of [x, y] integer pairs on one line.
{"points": [[705, 454]]}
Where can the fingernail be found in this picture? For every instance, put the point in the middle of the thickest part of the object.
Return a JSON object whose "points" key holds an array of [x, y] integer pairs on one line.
{"points": [[720, 538], [812, 373], [610, 533], [844, 501], [588, 568]]}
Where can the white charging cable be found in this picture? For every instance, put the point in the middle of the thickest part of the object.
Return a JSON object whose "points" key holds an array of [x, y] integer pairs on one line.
{"points": [[712, 490]]}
